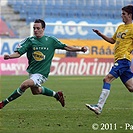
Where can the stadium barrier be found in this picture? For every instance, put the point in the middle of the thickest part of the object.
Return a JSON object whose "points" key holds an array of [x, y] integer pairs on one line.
{"points": [[97, 61], [96, 48], [60, 66]]}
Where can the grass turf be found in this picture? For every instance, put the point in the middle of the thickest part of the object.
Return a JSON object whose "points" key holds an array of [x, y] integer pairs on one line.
{"points": [[42, 114]]}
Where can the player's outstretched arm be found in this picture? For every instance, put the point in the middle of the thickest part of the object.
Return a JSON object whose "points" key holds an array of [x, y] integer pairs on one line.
{"points": [[108, 39], [76, 49], [12, 56]]}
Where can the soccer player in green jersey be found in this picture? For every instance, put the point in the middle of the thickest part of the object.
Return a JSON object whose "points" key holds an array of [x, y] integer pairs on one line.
{"points": [[40, 51], [123, 39]]}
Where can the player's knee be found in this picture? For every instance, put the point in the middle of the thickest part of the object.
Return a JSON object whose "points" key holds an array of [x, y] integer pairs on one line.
{"points": [[105, 80], [24, 86], [108, 78]]}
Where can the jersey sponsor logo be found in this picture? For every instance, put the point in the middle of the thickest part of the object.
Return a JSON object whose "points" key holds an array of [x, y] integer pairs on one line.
{"points": [[38, 56], [121, 35], [40, 48]]}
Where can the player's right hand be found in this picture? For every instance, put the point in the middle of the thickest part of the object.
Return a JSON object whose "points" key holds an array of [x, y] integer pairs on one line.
{"points": [[6, 57]]}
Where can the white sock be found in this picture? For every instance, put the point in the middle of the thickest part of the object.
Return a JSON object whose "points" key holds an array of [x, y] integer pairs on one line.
{"points": [[54, 93], [102, 99]]}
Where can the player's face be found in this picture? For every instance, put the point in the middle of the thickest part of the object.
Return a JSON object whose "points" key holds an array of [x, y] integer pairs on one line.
{"points": [[38, 30], [126, 18]]}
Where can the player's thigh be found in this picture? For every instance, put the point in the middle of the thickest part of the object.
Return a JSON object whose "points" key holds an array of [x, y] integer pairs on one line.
{"points": [[127, 79], [126, 76], [129, 84], [27, 83]]}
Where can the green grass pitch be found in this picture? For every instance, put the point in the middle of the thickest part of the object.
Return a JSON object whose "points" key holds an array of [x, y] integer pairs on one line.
{"points": [[42, 114]]}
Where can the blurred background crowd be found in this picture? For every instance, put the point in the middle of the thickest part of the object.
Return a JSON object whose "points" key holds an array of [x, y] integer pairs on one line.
{"points": [[16, 15]]}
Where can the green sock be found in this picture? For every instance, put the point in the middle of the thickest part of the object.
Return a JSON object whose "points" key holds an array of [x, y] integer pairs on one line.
{"points": [[47, 92], [17, 93]]}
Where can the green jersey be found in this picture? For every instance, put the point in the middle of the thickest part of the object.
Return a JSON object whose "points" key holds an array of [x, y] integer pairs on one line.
{"points": [[40, 52]]}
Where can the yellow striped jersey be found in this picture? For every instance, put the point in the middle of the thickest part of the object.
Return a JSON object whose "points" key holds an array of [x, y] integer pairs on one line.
{"points": [[124, 42]]}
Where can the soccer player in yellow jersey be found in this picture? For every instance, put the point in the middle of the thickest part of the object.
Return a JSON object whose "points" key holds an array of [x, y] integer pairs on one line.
{"points": [[123, 40]]}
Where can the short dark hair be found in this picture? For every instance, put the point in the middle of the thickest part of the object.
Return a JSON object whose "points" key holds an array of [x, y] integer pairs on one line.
{"points": [[40, 21], [128, 9]]}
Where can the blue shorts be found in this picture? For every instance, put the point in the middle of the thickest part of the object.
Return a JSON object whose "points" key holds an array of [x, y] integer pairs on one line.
{"points": [[122, 69]]}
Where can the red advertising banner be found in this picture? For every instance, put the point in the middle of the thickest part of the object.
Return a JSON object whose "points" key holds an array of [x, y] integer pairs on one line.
{"points": [[60, 66], [13, 66], [80, 66]]}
